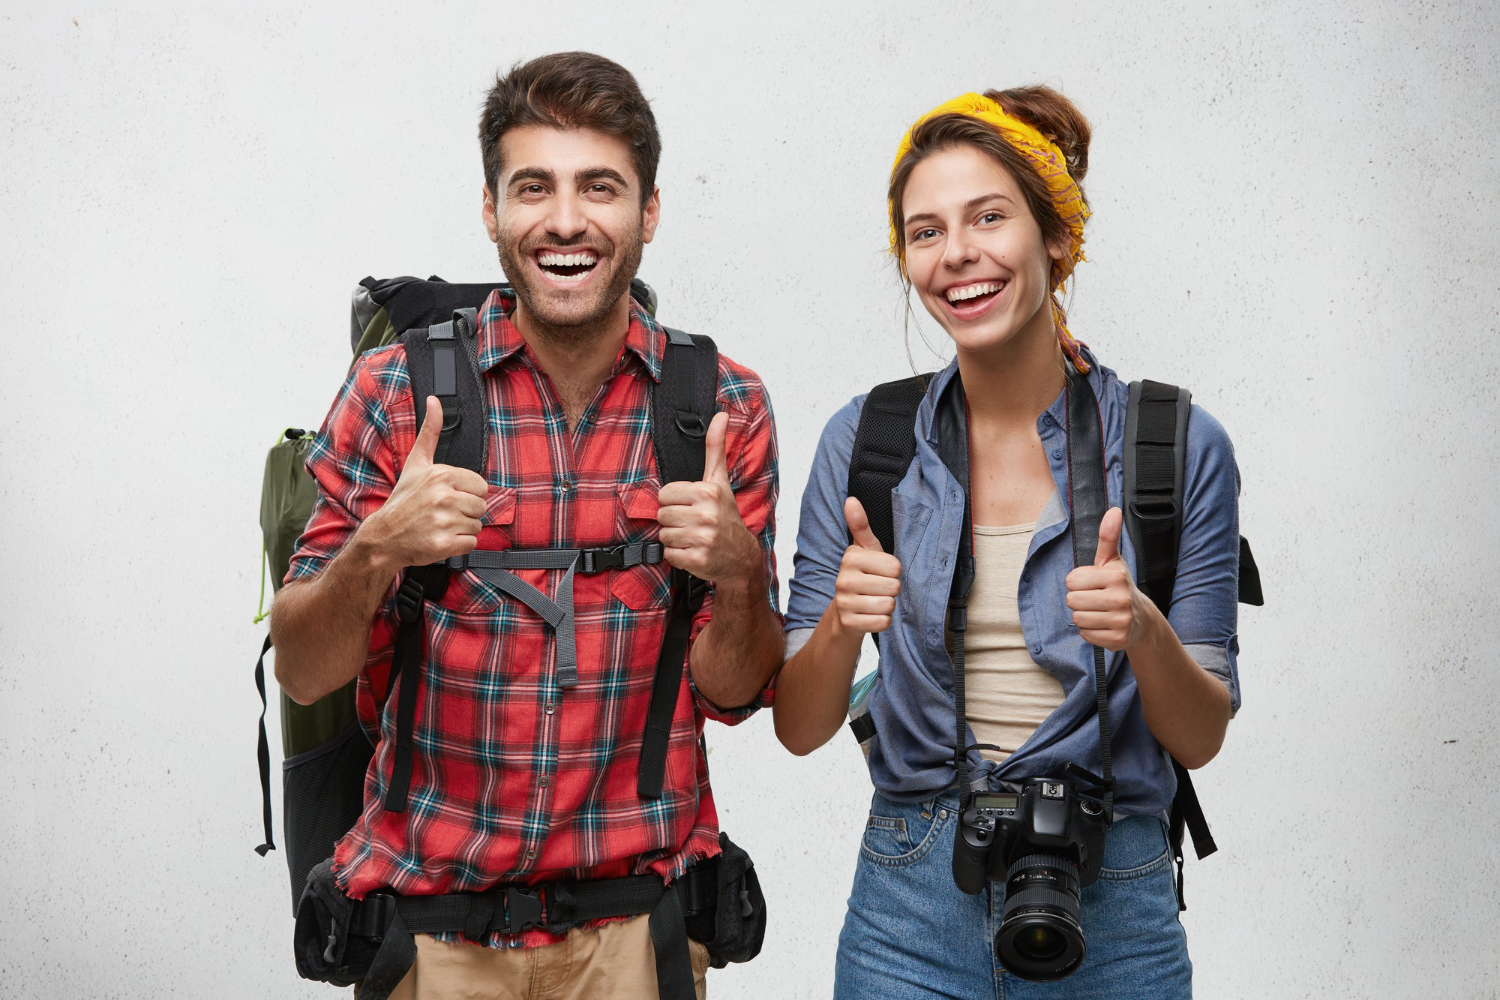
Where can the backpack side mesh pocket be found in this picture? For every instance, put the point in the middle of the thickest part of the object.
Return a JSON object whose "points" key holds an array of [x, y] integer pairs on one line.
{"points": [[322, 797]]}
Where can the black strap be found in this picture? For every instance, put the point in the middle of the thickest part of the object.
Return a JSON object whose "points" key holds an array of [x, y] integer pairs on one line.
{"points": [[513, 909], [681, 407], [1156, 427], [1088, 499], [440, 361], [884, 444], [263, 751]]}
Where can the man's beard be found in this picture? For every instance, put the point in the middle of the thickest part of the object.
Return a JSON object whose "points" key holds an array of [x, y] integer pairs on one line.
{"points": [[583, 321]]}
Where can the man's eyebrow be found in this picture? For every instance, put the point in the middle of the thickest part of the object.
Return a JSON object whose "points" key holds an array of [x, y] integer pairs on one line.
{"points": [[970, 204], [531, 174], [593, 174]]}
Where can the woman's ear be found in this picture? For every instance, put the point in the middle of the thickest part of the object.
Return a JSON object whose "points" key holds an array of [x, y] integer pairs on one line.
{"points": [[1055, 251]]}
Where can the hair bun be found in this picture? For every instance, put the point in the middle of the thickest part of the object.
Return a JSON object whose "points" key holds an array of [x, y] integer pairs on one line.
{"points": [[1053, 115]]}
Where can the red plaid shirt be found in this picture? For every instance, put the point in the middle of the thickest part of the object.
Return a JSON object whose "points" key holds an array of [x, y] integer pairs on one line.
{"points": [[516, 779]]}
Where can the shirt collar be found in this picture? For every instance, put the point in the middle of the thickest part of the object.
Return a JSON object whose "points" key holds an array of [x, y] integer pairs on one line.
{"points": [[499, 339], [927, 413]]}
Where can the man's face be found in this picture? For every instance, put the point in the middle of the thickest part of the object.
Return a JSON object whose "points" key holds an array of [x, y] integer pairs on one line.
{"points": [[568, 222]]}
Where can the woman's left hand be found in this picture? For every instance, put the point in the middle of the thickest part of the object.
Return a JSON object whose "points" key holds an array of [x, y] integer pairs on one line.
{"points": [[1108, 609]]}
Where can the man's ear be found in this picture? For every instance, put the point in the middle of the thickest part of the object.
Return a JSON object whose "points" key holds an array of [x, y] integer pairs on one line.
{"points": [[491, 222], [650, 215]]}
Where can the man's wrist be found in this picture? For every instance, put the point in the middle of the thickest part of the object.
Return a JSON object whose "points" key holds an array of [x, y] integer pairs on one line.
{"points": [[749, 579], [366, 553]]}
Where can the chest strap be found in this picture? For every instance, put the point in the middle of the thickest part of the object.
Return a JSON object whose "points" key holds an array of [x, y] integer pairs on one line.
{"points": [[494, 568]]}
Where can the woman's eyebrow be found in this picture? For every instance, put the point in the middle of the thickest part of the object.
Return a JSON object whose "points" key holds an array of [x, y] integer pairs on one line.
{"points": [[968, 205]]}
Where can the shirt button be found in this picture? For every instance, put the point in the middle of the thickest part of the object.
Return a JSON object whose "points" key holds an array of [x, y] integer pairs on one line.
{"points": [[1026, 577], [1057, 453], [530, 855], [545, 779], [549, 708], [1036, 649]]}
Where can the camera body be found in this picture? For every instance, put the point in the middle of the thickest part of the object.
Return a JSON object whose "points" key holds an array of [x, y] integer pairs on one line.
{"points": [[1046, 842]]}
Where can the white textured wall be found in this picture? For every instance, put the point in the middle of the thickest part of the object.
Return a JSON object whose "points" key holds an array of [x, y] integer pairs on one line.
{"points": [[1296, 211]]}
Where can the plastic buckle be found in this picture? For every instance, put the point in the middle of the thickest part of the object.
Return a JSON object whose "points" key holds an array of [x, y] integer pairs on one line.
{"points": [[409, 600], [375, 914], [523, 909], [597, 560]]}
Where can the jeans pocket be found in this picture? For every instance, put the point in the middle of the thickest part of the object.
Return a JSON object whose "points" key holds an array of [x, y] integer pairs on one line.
{"points": [[1136, 847], [898, 833]]}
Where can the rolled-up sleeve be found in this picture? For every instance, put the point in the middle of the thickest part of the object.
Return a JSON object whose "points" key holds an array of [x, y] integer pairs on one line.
{"points": [[1205, 608], [822, 534], [751, 445]]}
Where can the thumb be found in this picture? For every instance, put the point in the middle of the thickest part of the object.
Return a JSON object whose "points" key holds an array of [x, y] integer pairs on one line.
{"points": [[859, 525], [715, 454], [425, 448], [1109, 537]]}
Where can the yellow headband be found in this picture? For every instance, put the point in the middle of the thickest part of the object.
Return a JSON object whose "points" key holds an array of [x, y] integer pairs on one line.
{"points": [[1049, 163]]}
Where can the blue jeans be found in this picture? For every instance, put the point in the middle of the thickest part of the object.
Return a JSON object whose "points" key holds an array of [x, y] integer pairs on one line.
{"points": [[910, 932]]}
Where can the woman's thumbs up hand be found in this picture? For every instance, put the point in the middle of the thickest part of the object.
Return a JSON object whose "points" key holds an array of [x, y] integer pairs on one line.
{"points": [[1107, 608], [869, 578]]}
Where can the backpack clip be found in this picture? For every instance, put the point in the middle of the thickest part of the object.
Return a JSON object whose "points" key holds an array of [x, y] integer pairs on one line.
{"points": [[409, 600]]}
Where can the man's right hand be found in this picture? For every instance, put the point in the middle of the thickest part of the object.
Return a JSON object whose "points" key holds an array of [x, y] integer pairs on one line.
{"points": [[869, 578], [435, 510]]}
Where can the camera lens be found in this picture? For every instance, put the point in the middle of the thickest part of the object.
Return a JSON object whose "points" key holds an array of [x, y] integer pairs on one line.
{"points": [[1041, 935]]}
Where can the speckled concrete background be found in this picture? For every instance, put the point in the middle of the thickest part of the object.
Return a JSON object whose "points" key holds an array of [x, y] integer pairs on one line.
{"points": [[1296, 211]]}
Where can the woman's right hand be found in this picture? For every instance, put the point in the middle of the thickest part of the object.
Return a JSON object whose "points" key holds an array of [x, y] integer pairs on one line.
{"points": [[869, 578]]}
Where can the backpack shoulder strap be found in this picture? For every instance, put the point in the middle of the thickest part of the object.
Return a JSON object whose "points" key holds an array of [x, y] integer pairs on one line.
{"points": [[682, 404], [884, 444], [441, 361], [1156, 424]]}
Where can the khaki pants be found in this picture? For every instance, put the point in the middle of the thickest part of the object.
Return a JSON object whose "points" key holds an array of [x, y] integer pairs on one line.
{"points": [[613, 962]]}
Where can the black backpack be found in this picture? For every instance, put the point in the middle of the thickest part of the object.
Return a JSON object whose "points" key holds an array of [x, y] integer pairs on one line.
{"points": [[1156, 424], [326, 751]]}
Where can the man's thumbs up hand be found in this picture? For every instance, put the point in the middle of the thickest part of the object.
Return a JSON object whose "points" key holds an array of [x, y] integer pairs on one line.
{"points": [[434, 511], [864, 595], [701, 528], [1107, 608]]}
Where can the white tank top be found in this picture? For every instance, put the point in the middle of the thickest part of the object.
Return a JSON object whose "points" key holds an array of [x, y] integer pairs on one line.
{"points": [[1006, 694]]}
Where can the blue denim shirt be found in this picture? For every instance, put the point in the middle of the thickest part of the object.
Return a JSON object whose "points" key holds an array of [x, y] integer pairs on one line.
{"points": [[912, 702]]}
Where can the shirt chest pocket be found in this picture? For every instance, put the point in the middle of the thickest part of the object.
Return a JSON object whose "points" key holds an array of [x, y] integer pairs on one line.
{"points": [[920, 576], [467, 592], [647, 586]]}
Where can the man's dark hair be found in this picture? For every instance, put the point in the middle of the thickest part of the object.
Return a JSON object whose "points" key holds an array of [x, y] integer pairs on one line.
{"points": [[571, 90]]}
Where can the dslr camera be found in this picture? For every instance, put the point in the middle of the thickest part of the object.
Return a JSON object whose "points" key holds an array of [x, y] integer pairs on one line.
{"points": [[1047, 843]]}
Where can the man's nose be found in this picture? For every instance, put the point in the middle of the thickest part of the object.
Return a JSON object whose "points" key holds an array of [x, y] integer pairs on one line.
{"points": [[566, 220]]}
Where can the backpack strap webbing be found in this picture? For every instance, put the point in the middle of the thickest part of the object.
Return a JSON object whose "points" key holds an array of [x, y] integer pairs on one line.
{"points": [[682, 404], [1156, 425], [441, 362], [884, 444]]}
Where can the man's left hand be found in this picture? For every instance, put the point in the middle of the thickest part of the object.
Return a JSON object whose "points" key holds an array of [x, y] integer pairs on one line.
{"points": [[701, 528]]}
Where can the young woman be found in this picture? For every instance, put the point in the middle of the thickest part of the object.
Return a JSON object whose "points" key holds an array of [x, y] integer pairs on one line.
{"points": [[987, 218]]}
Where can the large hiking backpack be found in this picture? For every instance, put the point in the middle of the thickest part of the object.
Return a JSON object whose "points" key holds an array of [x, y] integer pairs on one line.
{"points": [[325, 751], [1156, 425]]}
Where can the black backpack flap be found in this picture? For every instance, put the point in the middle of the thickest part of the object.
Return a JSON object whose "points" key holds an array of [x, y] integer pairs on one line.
{"points": [[1250, 592], [412, 302], [682, 405], [884, 445]]}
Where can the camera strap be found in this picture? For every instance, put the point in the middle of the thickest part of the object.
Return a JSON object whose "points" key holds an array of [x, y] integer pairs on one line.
{"points": [[1088, 499]]}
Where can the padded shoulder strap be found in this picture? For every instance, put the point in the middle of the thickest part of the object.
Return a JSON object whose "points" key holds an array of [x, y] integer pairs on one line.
{"points": [[884, 445], [1156, 424], [683, 404], [442, 361]]}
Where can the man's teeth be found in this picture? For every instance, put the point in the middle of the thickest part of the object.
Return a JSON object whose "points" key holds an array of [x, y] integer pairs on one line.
{"points": [[567, 259], [973, 291]]}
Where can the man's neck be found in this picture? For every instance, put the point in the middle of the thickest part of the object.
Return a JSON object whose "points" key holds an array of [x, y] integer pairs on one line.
{"points": [[577, 359]]}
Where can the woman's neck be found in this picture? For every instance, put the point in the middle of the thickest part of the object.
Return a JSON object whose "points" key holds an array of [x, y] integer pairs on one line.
{"points": [[1013, 383]]}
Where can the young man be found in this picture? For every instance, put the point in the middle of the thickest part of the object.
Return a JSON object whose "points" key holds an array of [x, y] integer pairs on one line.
{"points": [[520, 778]]}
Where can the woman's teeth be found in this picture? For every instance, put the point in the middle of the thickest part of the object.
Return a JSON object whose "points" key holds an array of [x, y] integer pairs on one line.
{"points": [[973, 291]]}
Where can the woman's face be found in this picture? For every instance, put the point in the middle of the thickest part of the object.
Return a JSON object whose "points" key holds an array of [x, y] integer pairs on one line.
{"points": [[974, 251]]}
